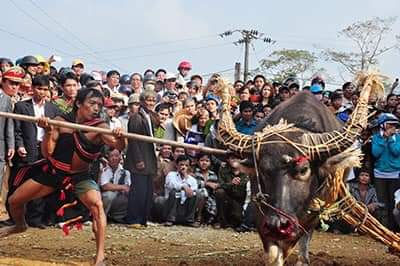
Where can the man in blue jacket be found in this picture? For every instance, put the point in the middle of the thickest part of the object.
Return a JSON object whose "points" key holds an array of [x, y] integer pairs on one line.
{"points": [[386, 151]]}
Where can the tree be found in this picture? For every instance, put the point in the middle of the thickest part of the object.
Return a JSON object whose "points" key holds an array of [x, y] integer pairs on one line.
{"points": [[289, 62], [368, 36]]}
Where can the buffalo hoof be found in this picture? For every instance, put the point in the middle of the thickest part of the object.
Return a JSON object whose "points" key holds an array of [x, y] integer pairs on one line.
{"points": [[301, 261], [273, 256]]}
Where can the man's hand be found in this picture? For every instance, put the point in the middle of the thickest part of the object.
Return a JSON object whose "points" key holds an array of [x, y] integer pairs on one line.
{"points": [[43, 122], [10, 154], [188, 191], [118, 131], [236, 180], [389, 131], [22, 152], [212, 185], [125, 189], [372, 207], [140, 165]]}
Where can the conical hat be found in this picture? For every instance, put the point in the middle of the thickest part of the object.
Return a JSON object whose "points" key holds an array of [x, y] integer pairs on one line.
{"points": [[182, 122]]}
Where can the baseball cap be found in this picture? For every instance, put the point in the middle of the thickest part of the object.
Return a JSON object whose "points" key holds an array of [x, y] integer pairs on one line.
{"points": [[316, 89], [108, 103], [170, 76], [78, 62], [212, 97]]}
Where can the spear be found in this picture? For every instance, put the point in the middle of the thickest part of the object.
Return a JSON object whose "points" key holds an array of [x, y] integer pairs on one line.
{"points": [[107, 131]]}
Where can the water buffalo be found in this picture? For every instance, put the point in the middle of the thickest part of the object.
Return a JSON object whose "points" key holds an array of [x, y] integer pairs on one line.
{"points": [[291, 160]]}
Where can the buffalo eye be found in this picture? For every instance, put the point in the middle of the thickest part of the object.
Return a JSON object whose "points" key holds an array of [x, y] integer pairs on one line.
{"points": [[303, 172]]}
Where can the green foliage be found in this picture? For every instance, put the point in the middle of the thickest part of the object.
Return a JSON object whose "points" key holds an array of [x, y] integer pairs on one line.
{"points": [[289, 62]]}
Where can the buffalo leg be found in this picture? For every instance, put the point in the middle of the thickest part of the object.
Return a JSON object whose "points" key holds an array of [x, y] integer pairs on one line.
{"points": [[304, 243], [273, 256]]}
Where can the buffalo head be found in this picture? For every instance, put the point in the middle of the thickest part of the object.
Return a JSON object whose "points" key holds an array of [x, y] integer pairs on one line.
{"points": [[287, 151]]}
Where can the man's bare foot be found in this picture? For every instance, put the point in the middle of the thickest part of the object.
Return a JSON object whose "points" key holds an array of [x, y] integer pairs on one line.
{"points": [[100, 262], [13, 229]]}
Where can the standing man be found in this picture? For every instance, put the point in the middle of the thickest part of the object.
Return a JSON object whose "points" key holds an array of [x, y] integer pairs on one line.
{"points": [[28, 137], [112, 81], [78, 67], [385, 149], [184, 68], [348, 90], [70, 85], [136, 83], [68, 168], [141, 161], [11, 81]]}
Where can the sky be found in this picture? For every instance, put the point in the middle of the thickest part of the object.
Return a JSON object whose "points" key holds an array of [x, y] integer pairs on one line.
{"points": [[132, 36]]}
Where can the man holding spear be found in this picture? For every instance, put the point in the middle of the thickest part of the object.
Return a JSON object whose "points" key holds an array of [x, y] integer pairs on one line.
{"points": [[67, 154]]}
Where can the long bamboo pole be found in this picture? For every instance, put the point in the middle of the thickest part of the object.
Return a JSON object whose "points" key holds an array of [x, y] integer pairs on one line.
{"points": [[134, 136]]}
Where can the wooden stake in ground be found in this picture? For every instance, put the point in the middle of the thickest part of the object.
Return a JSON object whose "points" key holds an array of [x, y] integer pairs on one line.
{"points": [[134, 136]]}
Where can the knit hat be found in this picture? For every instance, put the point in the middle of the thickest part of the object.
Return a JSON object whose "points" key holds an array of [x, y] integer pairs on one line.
{"points": [[16, 74]]}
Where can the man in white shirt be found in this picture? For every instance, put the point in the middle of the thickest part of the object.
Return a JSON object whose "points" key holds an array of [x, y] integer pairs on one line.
{"points": [[110, 110], [112, 81], [180, 191], [115, 182]]}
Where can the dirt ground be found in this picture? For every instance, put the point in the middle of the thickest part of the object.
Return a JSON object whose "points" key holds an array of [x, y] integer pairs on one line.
{"points": [[159, 245]]}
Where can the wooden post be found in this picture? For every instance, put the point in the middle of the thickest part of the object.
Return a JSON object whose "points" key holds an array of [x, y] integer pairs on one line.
{"points": [[237, 71]]}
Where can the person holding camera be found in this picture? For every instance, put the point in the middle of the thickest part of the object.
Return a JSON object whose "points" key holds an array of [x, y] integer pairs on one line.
{"points": [[386, 151]]}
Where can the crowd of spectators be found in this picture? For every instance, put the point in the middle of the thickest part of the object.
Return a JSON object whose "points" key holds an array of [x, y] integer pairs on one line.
{"points": [[169, 184]]}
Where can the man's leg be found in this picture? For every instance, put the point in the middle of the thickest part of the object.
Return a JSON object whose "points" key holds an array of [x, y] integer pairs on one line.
{"points": [[25, 193], [119, 208], [108, 197], [149, 199], [222, 206], [2, 165], [383, 197], [137, 200], [170, 207], [92, 200], [190, 209]]}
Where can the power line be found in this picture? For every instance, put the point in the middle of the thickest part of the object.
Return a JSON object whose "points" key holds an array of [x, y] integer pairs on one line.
{"points": [[34, 42], [46, 27], [218, 72], [43, 25], [171, 52], [247, 37], [73, 34], [153, 44]]}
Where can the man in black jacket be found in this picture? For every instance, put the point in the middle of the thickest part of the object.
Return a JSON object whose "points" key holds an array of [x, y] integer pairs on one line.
{"points": [[28, 137], [141, 161]]}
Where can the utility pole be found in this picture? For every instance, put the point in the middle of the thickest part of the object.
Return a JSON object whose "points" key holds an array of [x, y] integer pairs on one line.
{"points": [[246, 59], [237, 71], [247, 37]]}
